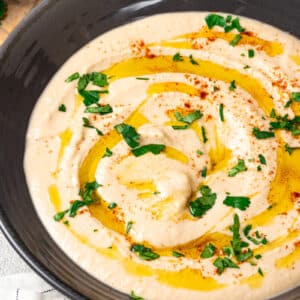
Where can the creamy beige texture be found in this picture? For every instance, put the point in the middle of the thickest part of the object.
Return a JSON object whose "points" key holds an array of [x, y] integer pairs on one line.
{"points": [[153, 191]]}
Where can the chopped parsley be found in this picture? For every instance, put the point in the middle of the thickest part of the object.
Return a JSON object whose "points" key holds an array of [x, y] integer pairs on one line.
{"points": [[128, 226], [284, 123], [86, 123], [153, 148], [89, 97], [260, 134], [204, 137], [221, 112], [227, 23], [246, 67], [240, 167], [177, 57], [87, 199], [208, 251], [73, 77], [295, 96], [260, 272], [142, 78], [258, 256], [101, 110], [239, 202], [228, 251], [112, 205], [204, 203], [262, 159], [129, 134], [144, 252], [235, 40], [133, 296], [258, 239], [222, 263], [290, 149], [259, 168], [199, 152], [232, 85], [3, 9], [250, 53], [204, 172], [180, 127], [62, 108], [190, 118], [288, 103], [192, 61], [107, 153], [177, 254]]}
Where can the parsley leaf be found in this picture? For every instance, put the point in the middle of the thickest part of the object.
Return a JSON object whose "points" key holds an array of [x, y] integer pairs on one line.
{"points": [[101, 110], [142, 78], [180, 127], [3, 9], [235, 24], [133, 296], [204, 172], [260, 272], [208, 251], [204, 203], [295, 96], [98, 79], [190, 118], [73, 77], [83, 82], [128, 226], [112, 205], [153, 148], [204, 137], [239, 202], [86, 123], [192, 60], [290, 149], [259, 134], [215, 20], [62, 108], [232, 85], [129, 134], [60, 215], [89, 97], [107, 153], [250, 53], [240, 167], [221, 112], [177, 57], [144, 252], [262, 159], [235, 40], [177, 254], [222, 263]]}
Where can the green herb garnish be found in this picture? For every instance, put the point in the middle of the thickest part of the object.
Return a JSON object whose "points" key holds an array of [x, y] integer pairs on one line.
{"points": [[288, 103], [190, 118], [258, 256], [73, 77], [260, 272], [62, 108], [142, 78], [101, 110], [133, 296], [107, 153], [295, 96], [215, 20], [235, 40], [259, 168], [177, 254], [222, 263], [239, 202], [240, 167], [221, 112], [199, 152], [89, 97], [144, 252], [208, 251], [177, 57], [112, 205], [153, 148], [259, 134], [251, 53], [204, 203], [129, 134], [290, 149], [180, 127], [192, 61], [128, 226], [86, 123], [204, 137], [262, 159], [204, 172], [232, 85]]}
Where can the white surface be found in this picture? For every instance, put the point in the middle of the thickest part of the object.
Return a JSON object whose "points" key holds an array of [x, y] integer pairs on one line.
{"points": [[18, 281]]}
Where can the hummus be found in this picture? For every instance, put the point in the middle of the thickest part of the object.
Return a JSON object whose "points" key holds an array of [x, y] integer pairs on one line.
{"points": [[163, 158]]}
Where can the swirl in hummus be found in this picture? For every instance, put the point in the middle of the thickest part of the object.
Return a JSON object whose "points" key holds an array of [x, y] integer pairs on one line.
{"points": [[169, 159]]}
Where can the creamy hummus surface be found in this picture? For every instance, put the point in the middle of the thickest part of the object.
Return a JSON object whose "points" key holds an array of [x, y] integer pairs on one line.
{"points": [[163, 158]]}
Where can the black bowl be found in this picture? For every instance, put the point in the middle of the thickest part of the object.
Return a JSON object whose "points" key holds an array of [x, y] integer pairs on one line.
{"points": [[28, 59]]}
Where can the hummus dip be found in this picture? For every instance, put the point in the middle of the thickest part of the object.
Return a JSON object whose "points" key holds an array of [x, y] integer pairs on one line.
{"points": [[163, 158]]}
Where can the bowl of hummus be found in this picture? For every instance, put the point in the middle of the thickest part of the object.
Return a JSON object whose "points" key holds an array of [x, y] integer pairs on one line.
{"points": [[163, 158]]}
